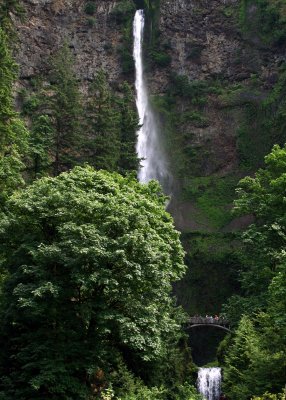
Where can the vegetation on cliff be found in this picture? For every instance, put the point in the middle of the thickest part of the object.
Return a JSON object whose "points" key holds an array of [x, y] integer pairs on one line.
{"points": [[13, 134], [87, 258], [68, 130]]}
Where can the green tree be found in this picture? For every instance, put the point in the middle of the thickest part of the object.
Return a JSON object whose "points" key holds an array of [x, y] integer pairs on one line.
{"points": [[238, 360], [255, 359], [263, 197], [264, 286], [65, 107], [103, 126], [129, 125], [55, 113], [13, 134], [91, 258], [42, 133]]}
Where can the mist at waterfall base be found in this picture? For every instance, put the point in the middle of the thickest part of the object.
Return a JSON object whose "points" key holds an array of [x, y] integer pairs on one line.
{"points": [[153, 164], [209, 383]]}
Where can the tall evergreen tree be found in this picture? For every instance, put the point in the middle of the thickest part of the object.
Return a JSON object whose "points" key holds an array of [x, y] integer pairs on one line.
{"points": [[66, 111], [13, 134], [42, 133], [263, 347], [103, 126], [129, 126]]}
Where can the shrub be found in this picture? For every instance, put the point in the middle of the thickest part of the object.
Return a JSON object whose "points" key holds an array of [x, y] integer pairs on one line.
{"points": [[91, 21], [160, 58], [123, 11], [90, 8]]}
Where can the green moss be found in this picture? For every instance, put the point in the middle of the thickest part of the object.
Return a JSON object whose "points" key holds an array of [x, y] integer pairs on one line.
{"points": [[123, 14], [123, 11], [263, 123], [160, 58], [182, 111], [91, 21], [213, 196], [152, 12], [265, 19], [196, 117], [8, 9], [90, 8], [228, 11], [196, 91]]}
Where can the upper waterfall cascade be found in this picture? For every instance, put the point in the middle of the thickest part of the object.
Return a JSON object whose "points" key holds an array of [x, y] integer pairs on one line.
{"points": [[209, 383], [153, 162]]}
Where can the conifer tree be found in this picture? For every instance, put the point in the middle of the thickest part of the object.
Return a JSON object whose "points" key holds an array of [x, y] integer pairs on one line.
{"points": [[13, 134], [66, 111], [103, 126], [128, 128], [42, 132]]}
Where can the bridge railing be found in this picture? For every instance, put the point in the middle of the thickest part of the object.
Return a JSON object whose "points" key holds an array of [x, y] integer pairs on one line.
{"points": [[209, 320]]}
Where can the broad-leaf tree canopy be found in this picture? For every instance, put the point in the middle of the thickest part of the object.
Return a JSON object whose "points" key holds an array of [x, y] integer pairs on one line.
{"points": [[255, 358], [90, 258]]}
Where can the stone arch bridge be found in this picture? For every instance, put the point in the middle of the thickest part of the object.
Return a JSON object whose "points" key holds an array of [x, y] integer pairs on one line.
{"points": [[215, 322]]}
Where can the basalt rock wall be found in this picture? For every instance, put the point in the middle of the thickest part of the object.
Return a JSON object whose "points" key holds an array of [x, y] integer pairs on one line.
{"points": [[231, 69], [47, 24], [204, 42]]}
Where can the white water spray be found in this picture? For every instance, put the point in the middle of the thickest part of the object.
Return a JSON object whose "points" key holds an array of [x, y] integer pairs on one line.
{"points": [[153, 162], [209, 383]]}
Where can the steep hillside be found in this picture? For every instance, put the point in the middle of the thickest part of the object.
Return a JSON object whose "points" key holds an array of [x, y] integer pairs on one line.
{"points": [[222, 71], [94, 35], [217, 76]]}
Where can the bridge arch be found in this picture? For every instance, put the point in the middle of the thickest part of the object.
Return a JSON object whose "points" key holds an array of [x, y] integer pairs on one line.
{"points": [[219, 323]]}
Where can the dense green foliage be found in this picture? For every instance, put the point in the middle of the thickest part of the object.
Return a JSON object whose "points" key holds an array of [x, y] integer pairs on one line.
{"points": [[90, 8], [213, 260], [111, 125], [65, 110], [66, 130], [87, 258], [262, 196], [91, 257], [55, 112], [102, 125], [123, 13], [13, 134], [129, 123], [255, 360], [267, 19]]}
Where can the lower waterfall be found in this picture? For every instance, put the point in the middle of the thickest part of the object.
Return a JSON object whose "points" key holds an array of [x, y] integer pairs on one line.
{"points": [[209, 383]]}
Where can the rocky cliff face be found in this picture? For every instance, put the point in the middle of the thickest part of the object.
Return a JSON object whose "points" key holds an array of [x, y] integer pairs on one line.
{"points": [[212, 27], [218, 86], [200, 122], [48, 23], [207, 44]]}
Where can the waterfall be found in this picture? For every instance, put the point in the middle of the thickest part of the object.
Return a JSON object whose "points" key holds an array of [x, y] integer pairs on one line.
{"points": [[209, 382], [153, 163]]}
